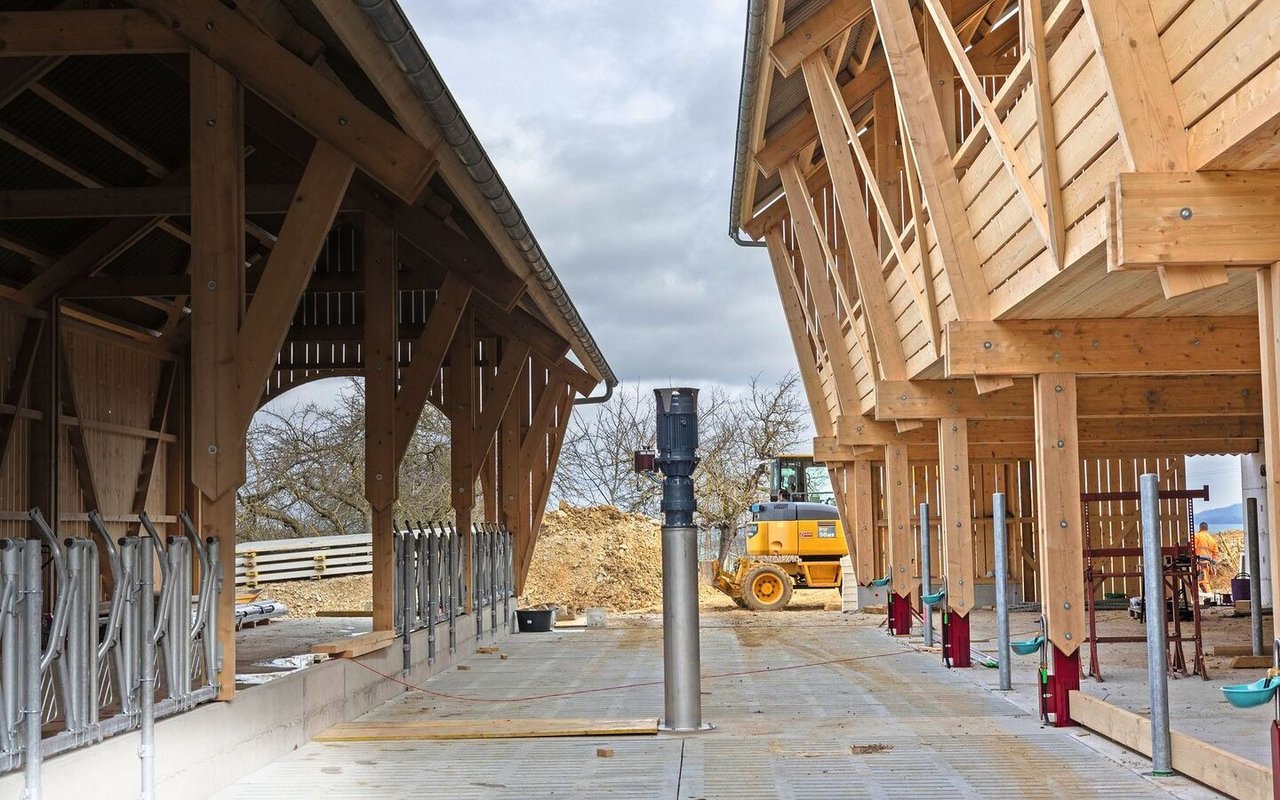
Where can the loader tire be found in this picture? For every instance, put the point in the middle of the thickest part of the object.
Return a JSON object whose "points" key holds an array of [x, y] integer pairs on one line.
{"points": [[766, 588]]}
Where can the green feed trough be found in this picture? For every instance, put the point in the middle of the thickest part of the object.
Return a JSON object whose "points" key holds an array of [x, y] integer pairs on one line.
{"points": [[935, 598], [1248, 695], [1028, 647], [880, 583]]}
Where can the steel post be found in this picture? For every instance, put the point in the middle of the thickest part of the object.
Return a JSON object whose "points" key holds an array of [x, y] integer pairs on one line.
{"points": [[406, 550], [11, 566], [212, 653], [429, 533], [1153, 590], [1002, 587], [677, 424], [925, 569], [493, 580], [1255, 574], [147, 676], [32, 600]]}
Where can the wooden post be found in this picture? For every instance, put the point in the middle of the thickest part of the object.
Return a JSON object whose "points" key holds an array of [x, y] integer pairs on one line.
{"points": [[513, 474], [942, 75], [957, 519], [884, 139], [901, 543], [1061, 547], [1269, 335], [460, 390], [381, 472], [45, 443], [217, 305], [864, 522]]}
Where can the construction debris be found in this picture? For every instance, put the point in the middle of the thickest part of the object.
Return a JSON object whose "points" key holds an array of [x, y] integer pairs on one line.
{"points": [[597, 556], [604, 752]]}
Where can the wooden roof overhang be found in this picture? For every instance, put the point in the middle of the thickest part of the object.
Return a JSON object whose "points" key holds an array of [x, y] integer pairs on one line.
{"points": [[96, 209], [1138, 240]]}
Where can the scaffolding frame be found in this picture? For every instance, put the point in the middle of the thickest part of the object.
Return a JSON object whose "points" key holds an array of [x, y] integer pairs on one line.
{"points": [[1181, 576]]}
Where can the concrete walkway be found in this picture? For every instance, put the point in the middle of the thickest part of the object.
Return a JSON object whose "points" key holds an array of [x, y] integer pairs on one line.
{"points": [[806, 705]]}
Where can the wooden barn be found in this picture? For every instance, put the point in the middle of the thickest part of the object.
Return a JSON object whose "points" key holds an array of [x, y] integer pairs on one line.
{"points": [[1022, 247], [204, 205]]}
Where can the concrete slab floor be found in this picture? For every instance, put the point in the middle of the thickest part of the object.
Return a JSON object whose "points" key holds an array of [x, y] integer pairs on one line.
{"points": [[806, 704], [1196, 707], [282, 645]]}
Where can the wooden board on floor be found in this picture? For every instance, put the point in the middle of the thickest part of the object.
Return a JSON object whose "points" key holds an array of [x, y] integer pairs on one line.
{"points": [[1251, 662], [1212, 766], [352, 646], [417, 730], [1231, 650]]}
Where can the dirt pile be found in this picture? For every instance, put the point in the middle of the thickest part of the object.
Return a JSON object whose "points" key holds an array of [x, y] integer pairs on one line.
{"points": [[305, 598], [596, 556], [1231, 545]]}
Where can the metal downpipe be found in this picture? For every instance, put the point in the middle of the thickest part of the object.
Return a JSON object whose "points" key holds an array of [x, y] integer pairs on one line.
{"points": [[752, 53]]}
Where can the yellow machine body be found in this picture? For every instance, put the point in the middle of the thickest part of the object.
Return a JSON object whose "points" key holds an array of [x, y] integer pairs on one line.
{"points": [[788, 546]]}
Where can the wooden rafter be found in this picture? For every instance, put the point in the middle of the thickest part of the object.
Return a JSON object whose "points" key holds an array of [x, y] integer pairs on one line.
{"points": [[85, 32], [798, 326], [835, 129], [312, 100], [288, 268], [923, 128], [815, 267], [1141, 93], [1034, 43], [809, 37]]}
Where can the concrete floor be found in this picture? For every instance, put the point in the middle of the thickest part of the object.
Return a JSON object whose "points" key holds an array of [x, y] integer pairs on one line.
{"points": [[806, 704], [1196, 707]]}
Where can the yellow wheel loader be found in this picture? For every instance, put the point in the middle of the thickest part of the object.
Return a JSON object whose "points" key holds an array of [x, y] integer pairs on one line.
{"points": [[794, 541]]}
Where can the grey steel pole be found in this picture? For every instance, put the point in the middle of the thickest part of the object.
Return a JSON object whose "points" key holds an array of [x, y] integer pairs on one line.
{"points": [[31, 672], [677, 421], [1002, 588], [147, 676], [212, 653], [1255, 574], [925, 569], [1153, 587], [406, 594]]}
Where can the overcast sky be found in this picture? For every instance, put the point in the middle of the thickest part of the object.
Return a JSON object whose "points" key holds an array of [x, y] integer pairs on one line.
{"points": [[613, 125]]}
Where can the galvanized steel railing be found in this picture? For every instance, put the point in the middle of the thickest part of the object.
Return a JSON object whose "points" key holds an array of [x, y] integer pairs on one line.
{"points": [[75, 668], [430, 583]]}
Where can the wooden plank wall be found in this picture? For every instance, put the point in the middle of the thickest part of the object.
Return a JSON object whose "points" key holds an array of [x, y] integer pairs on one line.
{"points": [[1114, 524], [114, 382]]}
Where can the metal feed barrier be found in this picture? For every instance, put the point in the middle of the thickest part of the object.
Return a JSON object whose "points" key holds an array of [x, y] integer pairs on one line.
{"points": [[75, 670], [430, 582]]}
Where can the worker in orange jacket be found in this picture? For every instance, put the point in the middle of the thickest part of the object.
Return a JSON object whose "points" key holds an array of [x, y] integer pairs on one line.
{"points": [[1206, 555]]}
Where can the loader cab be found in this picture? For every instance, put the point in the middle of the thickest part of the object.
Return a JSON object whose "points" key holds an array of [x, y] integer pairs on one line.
{"points": [[799, 479]]}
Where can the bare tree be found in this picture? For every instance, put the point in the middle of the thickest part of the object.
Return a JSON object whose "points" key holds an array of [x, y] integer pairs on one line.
{"points": [[738, 434], [305, 471]]}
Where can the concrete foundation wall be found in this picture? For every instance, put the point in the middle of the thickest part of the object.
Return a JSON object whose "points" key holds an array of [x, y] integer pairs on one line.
{"points": [[208, 748]]}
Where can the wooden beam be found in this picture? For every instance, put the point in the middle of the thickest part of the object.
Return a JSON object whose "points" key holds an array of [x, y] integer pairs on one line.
{"points": [[1140, 91], [1190, 218], [520, 324], [96, 251], [783, 146], [381, 467], [217, 264], [864, 524], [1031, 13], [811, 35], [815, 268], [461, 408], [835, 129], [24, 361], [928, 140], [161, 408], [957, 512], [289, 267], [1220, 769], [1268, 285], [1061, 548], [90, 32], [169, 200], [497, 396], [1002, 140], [901, 541], [797, 326], [1111, 396], [100, 129], [1132, 346], [429, 352], [310, 99]]}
